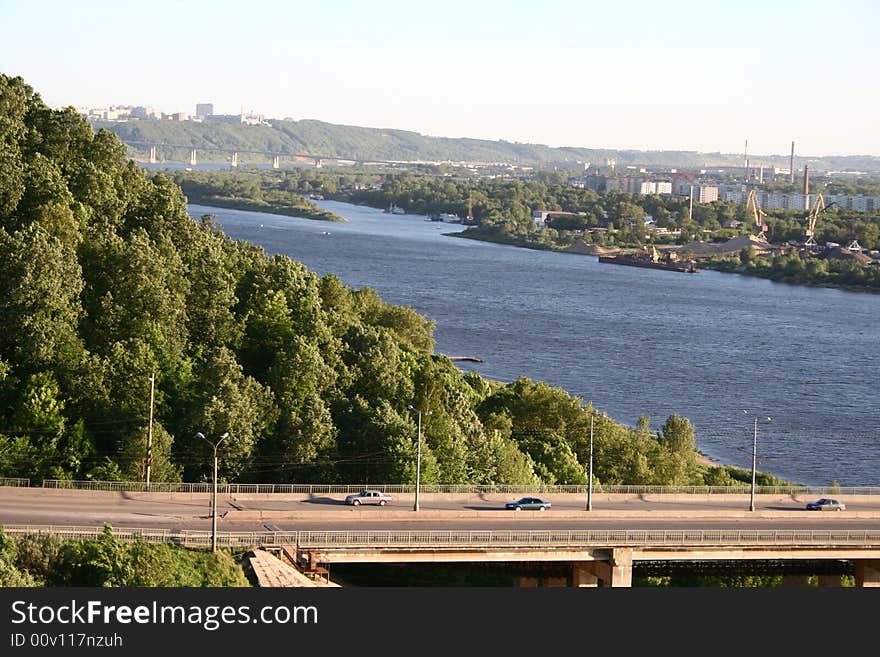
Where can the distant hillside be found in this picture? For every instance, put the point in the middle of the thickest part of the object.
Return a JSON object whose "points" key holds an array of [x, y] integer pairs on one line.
{"points": [[352, 142]]}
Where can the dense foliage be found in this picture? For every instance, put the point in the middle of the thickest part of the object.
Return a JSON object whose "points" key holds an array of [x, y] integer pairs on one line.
{"points": [[105, 280], [46, 560], [791, 267]]}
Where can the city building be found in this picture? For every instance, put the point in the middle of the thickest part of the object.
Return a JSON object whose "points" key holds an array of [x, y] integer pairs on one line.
{"points": [[702, 193], [204, 110], [637, 185]]}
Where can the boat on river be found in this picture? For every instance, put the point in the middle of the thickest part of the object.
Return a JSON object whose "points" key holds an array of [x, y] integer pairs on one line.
{"points": [[653, 260]]}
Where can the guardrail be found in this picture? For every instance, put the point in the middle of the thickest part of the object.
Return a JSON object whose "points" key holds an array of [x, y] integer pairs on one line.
{"points": [[475, 539], [15, 481], [184, 537], [315, 489]]}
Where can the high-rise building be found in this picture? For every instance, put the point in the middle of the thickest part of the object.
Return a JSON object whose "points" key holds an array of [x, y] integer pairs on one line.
{"points": [[204, 109]]}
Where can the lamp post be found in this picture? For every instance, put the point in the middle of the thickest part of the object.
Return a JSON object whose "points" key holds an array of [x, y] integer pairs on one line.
{"points": [[148, 461], [418, 459], [590, 471], [215, 445], [754, 460]]}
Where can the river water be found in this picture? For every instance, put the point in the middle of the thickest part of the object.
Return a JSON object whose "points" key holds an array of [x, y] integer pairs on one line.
{"points": [[633, 341]]}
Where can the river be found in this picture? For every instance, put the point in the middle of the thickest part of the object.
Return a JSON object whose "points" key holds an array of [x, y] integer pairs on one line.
{"points": [[633, 341]]}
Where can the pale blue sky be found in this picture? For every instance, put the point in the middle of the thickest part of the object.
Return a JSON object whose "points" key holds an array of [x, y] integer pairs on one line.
{"points": [[629, 74]]}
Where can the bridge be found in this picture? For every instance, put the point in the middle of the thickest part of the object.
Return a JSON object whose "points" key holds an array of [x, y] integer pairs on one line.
{"points": [[601, 547], [233, 155], [594, 557]]}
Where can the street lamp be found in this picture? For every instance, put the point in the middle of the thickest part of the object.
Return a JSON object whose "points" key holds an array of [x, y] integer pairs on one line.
{"points": [[418, 458], [754, 460], [590, 472], [215, 445]]}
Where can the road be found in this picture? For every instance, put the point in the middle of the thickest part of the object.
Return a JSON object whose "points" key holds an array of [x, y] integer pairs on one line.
{"points": [[466, 511]]}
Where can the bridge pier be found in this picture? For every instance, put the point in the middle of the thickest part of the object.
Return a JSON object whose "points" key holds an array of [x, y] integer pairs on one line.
{"points": [[318, 163], [276, 161], [827, 581], [234, 160], [584, 575], [153, 155], [616, 572], [192, 157], [530, 582], [868, 573]]}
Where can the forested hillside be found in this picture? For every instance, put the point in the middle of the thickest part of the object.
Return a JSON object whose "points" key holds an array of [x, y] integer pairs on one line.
{"points": [[105, 280], [317, 137]]}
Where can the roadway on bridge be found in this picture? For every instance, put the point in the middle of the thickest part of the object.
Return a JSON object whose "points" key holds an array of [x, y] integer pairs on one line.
{"points": [[20, 506]]}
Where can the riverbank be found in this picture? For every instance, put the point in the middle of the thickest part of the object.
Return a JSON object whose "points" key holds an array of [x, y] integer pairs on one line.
{"points": [[305, 211], [837, 280]]}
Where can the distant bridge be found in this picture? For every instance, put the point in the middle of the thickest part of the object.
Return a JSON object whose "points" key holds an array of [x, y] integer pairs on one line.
{"points": [[275, 157]]}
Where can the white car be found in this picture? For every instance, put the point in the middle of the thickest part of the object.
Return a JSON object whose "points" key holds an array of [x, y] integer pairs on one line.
{"points": [[369, 497]]}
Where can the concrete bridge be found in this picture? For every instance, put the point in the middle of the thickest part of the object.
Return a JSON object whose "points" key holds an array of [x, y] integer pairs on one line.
{"points": [[600, 547], [234, 155], [591, 558], [599, 557]]}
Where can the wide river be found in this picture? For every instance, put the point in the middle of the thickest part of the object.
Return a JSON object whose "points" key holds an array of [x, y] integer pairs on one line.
{"points": [[707, 346]]}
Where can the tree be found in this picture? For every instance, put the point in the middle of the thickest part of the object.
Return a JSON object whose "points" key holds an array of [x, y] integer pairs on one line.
{"points": [[226, 401], [133, 455], [40, 284]]}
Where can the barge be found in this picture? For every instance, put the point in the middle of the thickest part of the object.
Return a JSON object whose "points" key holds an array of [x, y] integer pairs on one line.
{"points": [[653, 261]]}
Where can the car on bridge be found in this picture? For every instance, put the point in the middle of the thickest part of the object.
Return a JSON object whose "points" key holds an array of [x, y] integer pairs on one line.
{"points": [[528, 503], [369, 497], [826, 504]]}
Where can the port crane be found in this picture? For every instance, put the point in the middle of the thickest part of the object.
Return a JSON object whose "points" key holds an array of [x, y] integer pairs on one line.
{"points": [[817, 210], [757, 213]]}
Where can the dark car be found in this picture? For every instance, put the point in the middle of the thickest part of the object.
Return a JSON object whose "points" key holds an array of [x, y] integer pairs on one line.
{"points": [[826, 504], [528, 503]]}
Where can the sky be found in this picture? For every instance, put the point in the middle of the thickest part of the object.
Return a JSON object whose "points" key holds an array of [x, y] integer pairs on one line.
{"points": [[675, 75]]}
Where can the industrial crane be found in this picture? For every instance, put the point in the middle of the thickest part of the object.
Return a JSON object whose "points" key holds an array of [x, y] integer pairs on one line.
{"points": [[818, 209], [757, 213]]}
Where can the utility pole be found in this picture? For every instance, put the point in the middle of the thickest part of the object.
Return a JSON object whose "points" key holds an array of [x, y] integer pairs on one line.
{"points": [[590, 471], [214, 494], [754, 464], [418, 465], [754, 459], [418, 459], [149, 460]]}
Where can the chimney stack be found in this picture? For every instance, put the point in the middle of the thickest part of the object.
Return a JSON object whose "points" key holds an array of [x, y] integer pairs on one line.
{"points": [[791, 166], [806, 180]]}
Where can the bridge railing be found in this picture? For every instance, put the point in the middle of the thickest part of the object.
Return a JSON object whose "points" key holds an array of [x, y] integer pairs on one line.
{"points": [[588, 537], [344, 489], [550, 538], [17, 482]]}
